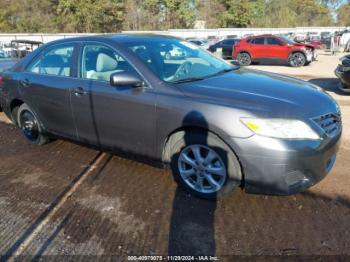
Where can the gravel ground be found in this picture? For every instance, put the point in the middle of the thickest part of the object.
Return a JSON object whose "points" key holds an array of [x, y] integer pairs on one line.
{"points": [[127, 208]]}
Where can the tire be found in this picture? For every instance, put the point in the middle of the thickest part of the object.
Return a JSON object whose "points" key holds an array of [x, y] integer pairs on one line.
{"points": [[222, 158], [244, 59], [297, 59], [30, 126]]}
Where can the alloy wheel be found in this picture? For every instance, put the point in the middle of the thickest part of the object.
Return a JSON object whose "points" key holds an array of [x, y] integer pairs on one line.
{"points": [[202, 169], [297, 60]]}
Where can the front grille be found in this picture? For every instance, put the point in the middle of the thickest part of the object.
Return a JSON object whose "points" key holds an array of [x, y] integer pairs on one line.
{"points": [[330, 123]]}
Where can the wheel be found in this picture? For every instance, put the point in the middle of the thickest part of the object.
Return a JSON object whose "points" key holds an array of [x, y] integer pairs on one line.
{"points": [[297, 59], [30, 126], [244, 59], [204, 165]]}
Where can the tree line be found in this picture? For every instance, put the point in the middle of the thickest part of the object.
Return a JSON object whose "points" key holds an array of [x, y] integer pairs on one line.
{"points": [[102, 16]]}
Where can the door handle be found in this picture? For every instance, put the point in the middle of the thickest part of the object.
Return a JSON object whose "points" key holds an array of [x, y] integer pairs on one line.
{"points": [[79, 91], [25, 82]]}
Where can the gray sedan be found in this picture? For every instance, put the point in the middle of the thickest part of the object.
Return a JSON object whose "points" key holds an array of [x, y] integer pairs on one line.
{"points": [[219, 127]]}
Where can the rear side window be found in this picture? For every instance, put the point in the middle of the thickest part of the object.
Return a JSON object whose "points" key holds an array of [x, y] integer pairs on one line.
{"points": [[273, 41], [57, 61], [258, 41]]}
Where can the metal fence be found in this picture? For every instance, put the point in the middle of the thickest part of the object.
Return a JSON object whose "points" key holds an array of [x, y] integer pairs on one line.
{"points": [[184, 33]]}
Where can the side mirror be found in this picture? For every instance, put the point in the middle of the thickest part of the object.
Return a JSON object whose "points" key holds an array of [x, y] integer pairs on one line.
{"points": [[126, 79]]}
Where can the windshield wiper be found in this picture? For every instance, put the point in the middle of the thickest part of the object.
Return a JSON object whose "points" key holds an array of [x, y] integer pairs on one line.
{"points": [[223, 72], [191, 79]]}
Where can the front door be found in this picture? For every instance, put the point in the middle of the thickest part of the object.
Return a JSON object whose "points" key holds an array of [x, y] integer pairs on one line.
{"points": [[276, 49], [112, 117]]}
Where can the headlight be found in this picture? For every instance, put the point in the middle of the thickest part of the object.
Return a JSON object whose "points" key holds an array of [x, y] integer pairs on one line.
{"points": [[343, 58], [280, 128]]}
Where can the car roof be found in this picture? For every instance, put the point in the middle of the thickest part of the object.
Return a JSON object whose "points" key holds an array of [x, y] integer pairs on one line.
{"points": [[264, 35], [119, 38]]}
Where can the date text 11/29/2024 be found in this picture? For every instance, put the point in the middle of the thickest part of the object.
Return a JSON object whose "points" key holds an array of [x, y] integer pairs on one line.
{"points": [[173, 258]]}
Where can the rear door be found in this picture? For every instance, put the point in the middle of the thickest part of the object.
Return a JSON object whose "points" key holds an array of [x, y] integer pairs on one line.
{"points": [[45, 85], [258, 48]]}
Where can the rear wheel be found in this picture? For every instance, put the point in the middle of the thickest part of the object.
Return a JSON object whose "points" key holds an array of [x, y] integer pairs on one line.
{"points": [[204, 165], [244, 59], [297, 59], [30, 126]]}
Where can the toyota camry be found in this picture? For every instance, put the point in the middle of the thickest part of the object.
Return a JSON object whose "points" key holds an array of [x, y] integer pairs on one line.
{"points": [[218, 126]]}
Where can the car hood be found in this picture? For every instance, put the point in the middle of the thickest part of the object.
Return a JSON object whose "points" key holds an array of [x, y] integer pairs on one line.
{"points": [[308, 45], [346, 60], [262, 94]]}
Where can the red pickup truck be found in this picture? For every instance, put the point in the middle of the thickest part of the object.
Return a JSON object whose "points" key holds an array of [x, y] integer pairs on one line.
{"points": [[273, 48]]}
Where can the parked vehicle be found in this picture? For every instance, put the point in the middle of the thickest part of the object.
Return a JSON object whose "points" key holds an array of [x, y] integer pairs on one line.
{"points": [[248, 35], [326, 35], [226, 45], [343, 73], [311, 35], [175, 53], [16, 50], [274, 49], [201, 43], [3, 54], [300, 37], [326, 39], [315, 41], [345, 41], [232, 37], [211, 121]]}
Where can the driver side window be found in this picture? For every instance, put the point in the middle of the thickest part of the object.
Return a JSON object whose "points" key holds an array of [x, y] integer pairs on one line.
{"points": [[99, 62]]}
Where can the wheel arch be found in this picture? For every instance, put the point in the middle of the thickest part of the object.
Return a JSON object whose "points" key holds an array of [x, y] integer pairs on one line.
{"points": [[244, 51], [296, 51], [14, 105], [167, 144]]}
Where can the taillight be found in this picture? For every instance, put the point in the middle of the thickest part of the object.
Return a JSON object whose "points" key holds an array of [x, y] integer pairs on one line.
{"points": [[1, 80]]}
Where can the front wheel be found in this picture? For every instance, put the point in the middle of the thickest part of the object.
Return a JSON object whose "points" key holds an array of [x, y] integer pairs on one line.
{"points": [[204, 165], [30, 126], [297, 59]]}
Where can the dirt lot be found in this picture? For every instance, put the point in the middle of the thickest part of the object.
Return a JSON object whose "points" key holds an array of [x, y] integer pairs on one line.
{"points": [[63, 199]]}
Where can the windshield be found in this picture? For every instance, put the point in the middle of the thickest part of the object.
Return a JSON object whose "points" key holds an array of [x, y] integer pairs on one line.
{"points": [[289, 41], [173, 60]]}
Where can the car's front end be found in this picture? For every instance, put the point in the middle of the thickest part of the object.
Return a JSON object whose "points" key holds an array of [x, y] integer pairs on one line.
{"points": [[343, 73], [274, 134], [285, 165], [292, 129]]}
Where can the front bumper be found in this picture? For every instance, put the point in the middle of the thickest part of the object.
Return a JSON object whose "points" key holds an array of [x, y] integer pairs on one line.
{"points": [[310, 57], [283, 167], [344, 77]]}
